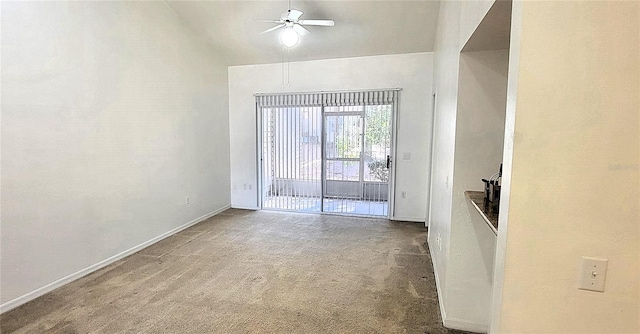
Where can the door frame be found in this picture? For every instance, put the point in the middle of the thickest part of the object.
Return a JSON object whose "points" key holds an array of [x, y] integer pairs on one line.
{"points": [[392, 153], [360, 160]]}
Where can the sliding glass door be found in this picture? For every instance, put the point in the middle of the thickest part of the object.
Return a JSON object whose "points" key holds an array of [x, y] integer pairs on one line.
{"points": [[333, 159], [343, 155], [357, 155]]}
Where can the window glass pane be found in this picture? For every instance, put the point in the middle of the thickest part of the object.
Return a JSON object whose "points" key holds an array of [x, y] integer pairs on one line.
{"points": [[377, 139], [343, 170], [343, 137]]}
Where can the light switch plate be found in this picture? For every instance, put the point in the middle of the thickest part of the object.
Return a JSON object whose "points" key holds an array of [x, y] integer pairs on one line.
{"points": [[592, 274]]}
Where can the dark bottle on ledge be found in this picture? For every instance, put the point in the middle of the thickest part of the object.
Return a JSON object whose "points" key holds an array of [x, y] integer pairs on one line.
{"points": [[492, 187]]}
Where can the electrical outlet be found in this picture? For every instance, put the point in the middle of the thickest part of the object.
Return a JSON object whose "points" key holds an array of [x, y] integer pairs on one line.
{"points": [[244, 186], [186, 200], [403, 194], [592, 274], [406, 156]]}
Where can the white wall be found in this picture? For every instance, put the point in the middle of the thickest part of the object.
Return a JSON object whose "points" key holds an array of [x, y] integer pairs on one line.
{"points": [[112, 113], [482, 92], [572, 117], [411, 72], [453, 33], [472, 12], [572, 120]]}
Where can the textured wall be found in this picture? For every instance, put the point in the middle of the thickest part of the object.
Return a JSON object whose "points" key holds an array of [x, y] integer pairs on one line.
{"points": [[112, 113], [572, 128]]}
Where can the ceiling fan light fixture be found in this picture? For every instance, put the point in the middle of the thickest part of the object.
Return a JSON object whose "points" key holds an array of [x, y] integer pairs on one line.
{"points": [[289, 37], [293, 26]]}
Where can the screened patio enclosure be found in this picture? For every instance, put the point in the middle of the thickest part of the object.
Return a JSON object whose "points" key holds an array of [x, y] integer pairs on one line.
{"points": [[327, 152]]}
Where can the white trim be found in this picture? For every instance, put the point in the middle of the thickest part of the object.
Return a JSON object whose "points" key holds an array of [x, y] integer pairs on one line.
{"points": [[434, 97], [245, 207], [507, 163], [408, 219], [83, 272], [259, 157], [395, 118], [443, 313], [453, 323], [463, 325]]}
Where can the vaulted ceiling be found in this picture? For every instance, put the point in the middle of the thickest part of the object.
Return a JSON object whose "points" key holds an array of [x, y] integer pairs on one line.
{"points": [[362, 28]]}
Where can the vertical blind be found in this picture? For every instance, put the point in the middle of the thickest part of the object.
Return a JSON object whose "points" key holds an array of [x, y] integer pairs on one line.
{"points": [[369, 97], [321, 153]]}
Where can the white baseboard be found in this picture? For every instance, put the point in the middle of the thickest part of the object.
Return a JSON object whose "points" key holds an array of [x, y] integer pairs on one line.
{"points": [[409, 219], [465, 326], [83, 272], [443, 312], [449, 322], [245, 207]]}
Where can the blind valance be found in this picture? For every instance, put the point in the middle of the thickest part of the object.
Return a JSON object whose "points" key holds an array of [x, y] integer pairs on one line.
{"points": [[328, 99]]}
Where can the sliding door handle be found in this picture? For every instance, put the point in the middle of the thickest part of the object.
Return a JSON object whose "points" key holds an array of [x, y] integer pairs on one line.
{"points": [[388, 161]]}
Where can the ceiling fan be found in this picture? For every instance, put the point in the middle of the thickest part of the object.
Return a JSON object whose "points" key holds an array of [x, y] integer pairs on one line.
{"points": [[294, 26]]}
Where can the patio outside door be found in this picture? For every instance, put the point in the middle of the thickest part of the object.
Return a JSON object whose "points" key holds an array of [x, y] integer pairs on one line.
{"points": [[357, 146]]}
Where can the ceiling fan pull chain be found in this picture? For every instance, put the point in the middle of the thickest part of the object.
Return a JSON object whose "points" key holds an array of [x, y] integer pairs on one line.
{"points": [[288, 70], [285, 68]]}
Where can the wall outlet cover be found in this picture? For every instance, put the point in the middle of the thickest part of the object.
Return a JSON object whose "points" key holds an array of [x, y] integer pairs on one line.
{"points": [[592, 274]]}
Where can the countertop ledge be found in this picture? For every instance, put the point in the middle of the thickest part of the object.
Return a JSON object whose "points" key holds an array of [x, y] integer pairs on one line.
{"points": [[477, 199]]}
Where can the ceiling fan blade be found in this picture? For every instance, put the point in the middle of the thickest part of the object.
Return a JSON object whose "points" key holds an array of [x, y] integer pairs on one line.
{"points": [[326, 23], [302, 31], [268, 21], [294, 14], [272, 29]]}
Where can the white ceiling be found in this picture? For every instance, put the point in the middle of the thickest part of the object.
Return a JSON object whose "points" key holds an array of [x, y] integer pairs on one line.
{"points": [[363, 28]]}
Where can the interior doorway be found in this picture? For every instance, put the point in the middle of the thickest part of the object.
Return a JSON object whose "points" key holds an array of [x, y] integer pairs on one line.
{"points": [[329, 159]]}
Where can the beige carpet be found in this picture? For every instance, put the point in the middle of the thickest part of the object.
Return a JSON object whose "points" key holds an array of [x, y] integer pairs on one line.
{"points": [[254, 272]]}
